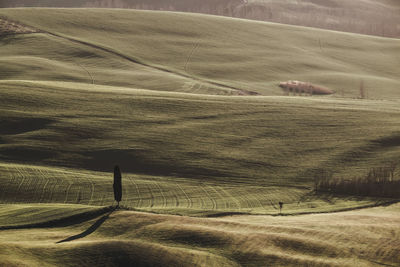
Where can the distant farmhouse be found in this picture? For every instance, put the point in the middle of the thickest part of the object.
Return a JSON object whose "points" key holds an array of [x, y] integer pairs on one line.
{"points": [[297, 87]]}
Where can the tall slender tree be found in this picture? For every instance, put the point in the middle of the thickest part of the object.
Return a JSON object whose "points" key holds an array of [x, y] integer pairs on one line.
{"points": [[117, 185]]}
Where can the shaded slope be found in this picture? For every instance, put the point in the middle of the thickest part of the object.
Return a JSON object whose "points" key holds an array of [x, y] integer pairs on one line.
{"points": [[25, 216], [362, 238], [188, 135], [210, 145]]}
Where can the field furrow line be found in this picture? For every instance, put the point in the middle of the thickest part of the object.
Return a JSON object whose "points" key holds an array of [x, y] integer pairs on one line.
{"points": [[22, 178], [45, 177], [61, 189], [3, 188], [129, 189], [250, 198], [254, 199], [227, 193], [222, 199], [35, 188], [214, 204], [59, 186], [43, 190], [52, 187], [78, 195], [151, 195], [258, 196], [19, 186], [217, 200], [91, 189], [145, 198], [273, 205], [132, 187], [203, 203], [125, 193], [19, 171], [162, 194], [67, 191], [243, 195], [189, 201], [70, 181], [198, 193], [198, 201], [176, 198], [26, 188], [247, 201], [138, 192], [102, 200]]}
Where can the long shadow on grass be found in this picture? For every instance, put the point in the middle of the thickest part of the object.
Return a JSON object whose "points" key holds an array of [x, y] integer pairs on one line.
{"points": [[63, 222], [90, 230]]}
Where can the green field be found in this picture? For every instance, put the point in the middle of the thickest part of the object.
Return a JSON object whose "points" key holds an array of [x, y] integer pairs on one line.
{"points": [[194, 53], [188, 106]]}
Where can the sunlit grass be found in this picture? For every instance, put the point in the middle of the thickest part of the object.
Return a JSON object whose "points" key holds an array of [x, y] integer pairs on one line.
{"points": [[86, 94], [195, 53]]}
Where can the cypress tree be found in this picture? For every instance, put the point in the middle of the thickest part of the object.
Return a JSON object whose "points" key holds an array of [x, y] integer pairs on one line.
{"points": [[117, 185]]}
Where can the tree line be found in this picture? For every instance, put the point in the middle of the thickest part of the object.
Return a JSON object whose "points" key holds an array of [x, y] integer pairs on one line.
{"points": [[378, 182]]}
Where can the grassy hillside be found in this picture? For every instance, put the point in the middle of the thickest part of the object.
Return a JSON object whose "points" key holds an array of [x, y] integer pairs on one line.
{"points": [[69, 99], [228, 154], [194, 53], [189, 107], [355, 238], [45, 215], [381, 17]]}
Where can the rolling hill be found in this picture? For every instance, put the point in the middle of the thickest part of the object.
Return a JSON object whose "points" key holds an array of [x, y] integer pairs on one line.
{"points": [[189, 106], [381, 18], [116, 238], [70, 99], [198, 53]]}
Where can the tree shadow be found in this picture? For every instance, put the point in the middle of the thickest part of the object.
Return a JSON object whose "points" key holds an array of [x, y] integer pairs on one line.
{"points": [[90, 230]]}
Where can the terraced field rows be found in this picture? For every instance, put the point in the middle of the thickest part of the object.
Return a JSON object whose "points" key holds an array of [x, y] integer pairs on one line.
{"points": [[32, 184], [45, 185]]}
